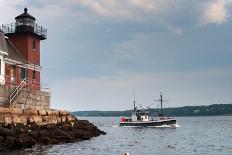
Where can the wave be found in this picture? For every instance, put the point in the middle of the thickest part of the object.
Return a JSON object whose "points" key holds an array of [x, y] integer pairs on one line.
{"points": [[167, 126], [162, 126], [114, 126]]}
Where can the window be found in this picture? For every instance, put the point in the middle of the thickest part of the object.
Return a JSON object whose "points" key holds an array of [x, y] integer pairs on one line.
{"points": [[23, 73], [33, 45], [33, 74]]}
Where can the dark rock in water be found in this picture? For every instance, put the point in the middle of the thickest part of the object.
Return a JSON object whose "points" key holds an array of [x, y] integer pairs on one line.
{"points": [[21, 136]]}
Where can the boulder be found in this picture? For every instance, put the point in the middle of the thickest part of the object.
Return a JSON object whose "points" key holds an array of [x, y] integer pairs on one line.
{"points": [[49, 119], [31, 112], [14, 137], [63, 112], [7, 118], [37, 119], [16, 111], [59, 119], [55, 113], [49, 112], [70, 118], [10, 142], [42, 112], [4, 110], [30, 119], [16, 119], [23, 119], [2, 120], [63, 118]]}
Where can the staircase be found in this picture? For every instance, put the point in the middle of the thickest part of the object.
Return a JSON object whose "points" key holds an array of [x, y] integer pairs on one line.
{"points": [[15, 93]]}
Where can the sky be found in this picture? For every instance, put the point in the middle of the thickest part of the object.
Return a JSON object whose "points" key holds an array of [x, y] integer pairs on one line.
{"points": [[99, 51]]}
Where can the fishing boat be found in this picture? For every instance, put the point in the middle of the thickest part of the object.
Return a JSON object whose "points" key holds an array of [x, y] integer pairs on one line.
{"points": [[142, 118]]}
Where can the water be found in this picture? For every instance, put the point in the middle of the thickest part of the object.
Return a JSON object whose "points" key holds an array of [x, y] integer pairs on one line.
{"points": [[193, 136]]}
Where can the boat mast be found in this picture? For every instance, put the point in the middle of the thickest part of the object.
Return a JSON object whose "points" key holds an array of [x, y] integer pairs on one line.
{"points": [[161, 100], [161, 103], [134, 100]]}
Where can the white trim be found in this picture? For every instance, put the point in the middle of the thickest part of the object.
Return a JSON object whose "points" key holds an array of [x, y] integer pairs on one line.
{"points": [[20, 64], [2, 71], [3, 53], [34, 67], [12, 62]]}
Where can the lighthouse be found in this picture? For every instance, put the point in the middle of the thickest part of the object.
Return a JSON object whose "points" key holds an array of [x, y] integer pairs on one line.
{"points": [[25, 35], [20, 68]]}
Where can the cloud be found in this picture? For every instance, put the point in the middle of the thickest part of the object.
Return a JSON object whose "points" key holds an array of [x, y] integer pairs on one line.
{"points": [[145, 45], [109, 8], [14, 2], [129, 9], [215, 12], [146, 4], [181, 88]]}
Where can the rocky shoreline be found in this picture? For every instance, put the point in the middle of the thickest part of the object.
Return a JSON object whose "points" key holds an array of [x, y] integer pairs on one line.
{"points": [[37, 127]]}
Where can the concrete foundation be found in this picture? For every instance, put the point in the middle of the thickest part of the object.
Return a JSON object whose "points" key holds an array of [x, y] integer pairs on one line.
{"points": [[26, 99]]}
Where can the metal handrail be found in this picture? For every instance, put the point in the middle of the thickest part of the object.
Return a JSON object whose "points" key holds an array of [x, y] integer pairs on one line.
{"points": [[11, 28], [17, 90]]}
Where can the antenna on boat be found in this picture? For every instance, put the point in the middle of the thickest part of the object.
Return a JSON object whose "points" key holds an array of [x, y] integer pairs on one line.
{"points": [[161, 100], [134, 99]]}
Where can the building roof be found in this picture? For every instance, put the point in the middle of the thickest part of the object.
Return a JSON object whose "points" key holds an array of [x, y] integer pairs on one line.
{"points": [[14, 53], [3, 46], [25, 15]]}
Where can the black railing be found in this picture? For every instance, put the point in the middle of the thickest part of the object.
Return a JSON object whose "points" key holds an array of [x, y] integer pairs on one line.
{"points": [[11, 28]]}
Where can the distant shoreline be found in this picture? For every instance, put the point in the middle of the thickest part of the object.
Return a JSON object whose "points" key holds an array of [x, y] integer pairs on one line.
{"points": [[173, 116], [186, 111]]}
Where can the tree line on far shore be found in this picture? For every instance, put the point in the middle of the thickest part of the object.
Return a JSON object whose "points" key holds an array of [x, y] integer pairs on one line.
{"points": [[211, 110]]}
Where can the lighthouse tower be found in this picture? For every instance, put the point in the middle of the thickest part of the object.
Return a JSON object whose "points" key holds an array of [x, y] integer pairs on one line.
{"points": [[26, 35]]}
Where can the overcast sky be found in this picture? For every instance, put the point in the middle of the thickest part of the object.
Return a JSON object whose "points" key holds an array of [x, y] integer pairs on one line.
{"points": [[99, 51]]}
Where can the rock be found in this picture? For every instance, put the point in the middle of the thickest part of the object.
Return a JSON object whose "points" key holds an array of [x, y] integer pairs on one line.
{"points": [[42, 112], [31, 112], [10, 143], [30, 120], [63, 119], [49, 119], [2, 120], [23, 119], [7, 119], [24, 142], [4, 110], [59, 119], [70, 118], [47, 140], [55, 113], [6, 132], [37, 119], [63, 112], [49, 112], [16, 111], [25, 131], [1, 139], [16, 119]]}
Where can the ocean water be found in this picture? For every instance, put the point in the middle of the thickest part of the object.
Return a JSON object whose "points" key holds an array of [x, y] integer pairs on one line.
{"points": [[192, 136]]}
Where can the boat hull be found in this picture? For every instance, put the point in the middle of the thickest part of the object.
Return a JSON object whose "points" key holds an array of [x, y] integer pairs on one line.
{"points": [[150, 123]]}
